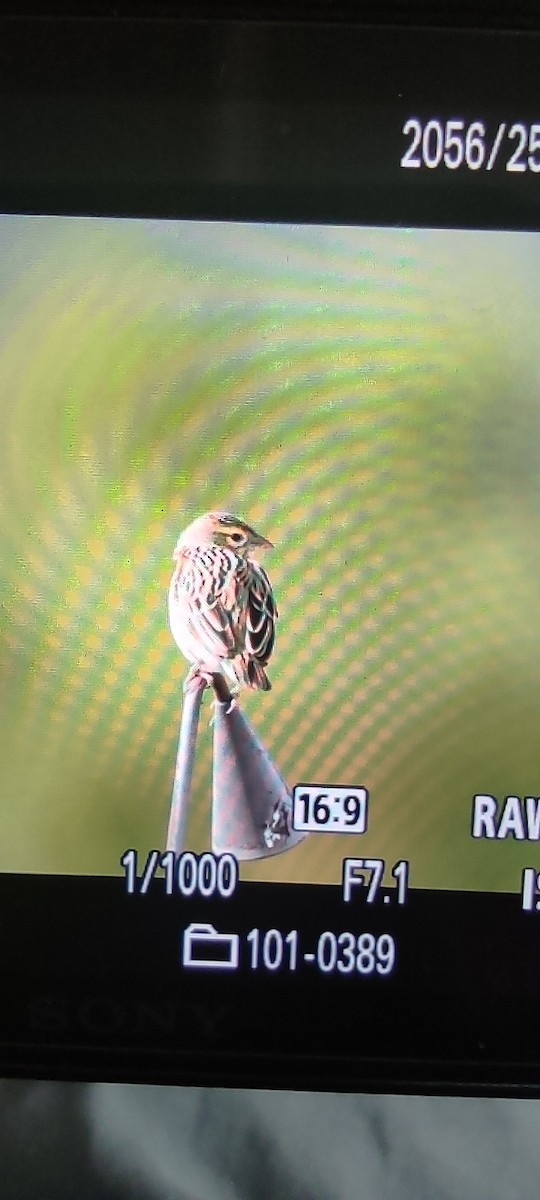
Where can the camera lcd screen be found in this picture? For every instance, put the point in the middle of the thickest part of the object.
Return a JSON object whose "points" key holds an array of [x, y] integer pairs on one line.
{"points": [[269, 522], [366, 399]]}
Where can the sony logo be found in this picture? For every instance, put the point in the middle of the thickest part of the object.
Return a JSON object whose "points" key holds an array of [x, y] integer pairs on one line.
{"points": [[108, 1016]]}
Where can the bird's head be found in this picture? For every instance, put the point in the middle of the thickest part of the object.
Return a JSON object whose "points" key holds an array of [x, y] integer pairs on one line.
{"points": [[222, 529]]}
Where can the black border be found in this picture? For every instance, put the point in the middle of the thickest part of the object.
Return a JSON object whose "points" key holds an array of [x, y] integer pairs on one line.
{"points": [[97, 990], [131, 118]]}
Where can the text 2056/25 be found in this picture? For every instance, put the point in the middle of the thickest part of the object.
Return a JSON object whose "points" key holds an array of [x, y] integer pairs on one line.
{"points": [[471, 145]]}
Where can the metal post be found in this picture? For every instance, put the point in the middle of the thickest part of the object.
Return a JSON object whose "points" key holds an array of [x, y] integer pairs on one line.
{"points": [[185, 759]]}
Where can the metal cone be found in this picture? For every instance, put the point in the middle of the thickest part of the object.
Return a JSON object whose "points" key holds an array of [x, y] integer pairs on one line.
{"points": [[252, 805]]}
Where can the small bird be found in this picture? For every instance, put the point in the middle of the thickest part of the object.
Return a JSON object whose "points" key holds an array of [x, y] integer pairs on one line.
{"points": [[222, 611]]}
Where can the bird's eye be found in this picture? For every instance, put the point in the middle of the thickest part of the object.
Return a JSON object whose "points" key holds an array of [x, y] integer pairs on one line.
{"points": [[237, 538]]}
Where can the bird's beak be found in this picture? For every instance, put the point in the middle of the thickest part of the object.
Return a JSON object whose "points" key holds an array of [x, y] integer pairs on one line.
{"points": [[264, 543]]}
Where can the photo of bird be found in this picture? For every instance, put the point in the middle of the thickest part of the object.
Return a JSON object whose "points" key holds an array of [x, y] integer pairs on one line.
{"points": [[222, 611]]}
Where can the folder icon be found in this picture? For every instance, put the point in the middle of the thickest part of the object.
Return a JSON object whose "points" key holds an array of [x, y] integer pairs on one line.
{"points": [[204, 947]]}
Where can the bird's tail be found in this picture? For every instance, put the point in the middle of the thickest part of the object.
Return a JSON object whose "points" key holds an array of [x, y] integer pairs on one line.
{"points": [[253, 673]]}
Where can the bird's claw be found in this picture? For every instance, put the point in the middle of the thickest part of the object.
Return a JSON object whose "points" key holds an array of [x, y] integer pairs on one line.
{"points": [[233, 704], [195, 677]]}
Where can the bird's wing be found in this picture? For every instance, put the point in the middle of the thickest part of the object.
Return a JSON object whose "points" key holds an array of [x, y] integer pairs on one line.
{"points": [[209, 591], [261, 615]]}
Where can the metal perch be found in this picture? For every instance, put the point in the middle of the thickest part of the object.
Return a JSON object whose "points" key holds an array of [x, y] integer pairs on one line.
{"points": [[185, 758], [251, 810]]}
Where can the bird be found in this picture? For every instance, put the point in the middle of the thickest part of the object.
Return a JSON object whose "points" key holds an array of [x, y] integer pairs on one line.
{"points": [[222, 610]]}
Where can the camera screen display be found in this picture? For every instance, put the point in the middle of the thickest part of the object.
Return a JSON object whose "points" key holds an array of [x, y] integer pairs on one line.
{"points": [[365, 399], [269, 582]]}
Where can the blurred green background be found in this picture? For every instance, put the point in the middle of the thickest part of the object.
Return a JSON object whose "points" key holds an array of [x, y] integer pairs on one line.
{"points": [[368, 399]]}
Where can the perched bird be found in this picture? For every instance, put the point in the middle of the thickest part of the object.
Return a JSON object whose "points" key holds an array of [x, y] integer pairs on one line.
{"points": [[222, 611]]}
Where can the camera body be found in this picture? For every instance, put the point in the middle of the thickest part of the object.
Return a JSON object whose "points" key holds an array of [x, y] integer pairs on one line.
{"points": [[276, 273]]}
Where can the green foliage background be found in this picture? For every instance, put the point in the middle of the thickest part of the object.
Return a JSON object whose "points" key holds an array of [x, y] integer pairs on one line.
{"points": [[368, 399]]}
